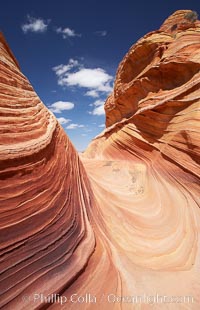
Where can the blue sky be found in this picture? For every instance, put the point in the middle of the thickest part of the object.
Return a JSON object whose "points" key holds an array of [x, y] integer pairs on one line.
{"points": [[70, 51]]}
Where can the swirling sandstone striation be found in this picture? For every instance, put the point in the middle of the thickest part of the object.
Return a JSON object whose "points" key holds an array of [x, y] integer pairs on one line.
{"points": [[140, 200], [144, 167], [45, 236]]}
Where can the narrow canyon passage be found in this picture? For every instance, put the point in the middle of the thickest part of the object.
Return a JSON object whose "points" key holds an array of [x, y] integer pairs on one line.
{"points": [[122, 219]]}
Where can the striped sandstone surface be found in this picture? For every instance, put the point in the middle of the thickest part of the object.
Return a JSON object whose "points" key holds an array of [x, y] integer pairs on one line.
{"points": [[123, 218]]}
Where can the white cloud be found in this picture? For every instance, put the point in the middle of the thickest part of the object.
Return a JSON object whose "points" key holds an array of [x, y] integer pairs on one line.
{"points": [[74, 74], [84, 135], [59, 106], [98, 103], [98, 108], [92, 93], [62, 69], [102, 125], [89, 78], [67, 32], [35, 25], [63, 120], [74, 126], [101, 33]]}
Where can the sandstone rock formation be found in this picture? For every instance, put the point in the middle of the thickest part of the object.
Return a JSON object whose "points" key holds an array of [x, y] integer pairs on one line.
{"points": [[126, 222], [45, 235]]}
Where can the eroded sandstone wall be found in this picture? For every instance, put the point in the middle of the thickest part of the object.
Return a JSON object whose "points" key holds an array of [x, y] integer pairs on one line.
{"points": [[45, 236]]}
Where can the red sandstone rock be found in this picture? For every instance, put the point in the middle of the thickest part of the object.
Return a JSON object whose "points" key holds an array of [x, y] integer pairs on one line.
{"points": [[141, 199], [162, 63], [45, 235], [144, 167]]}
